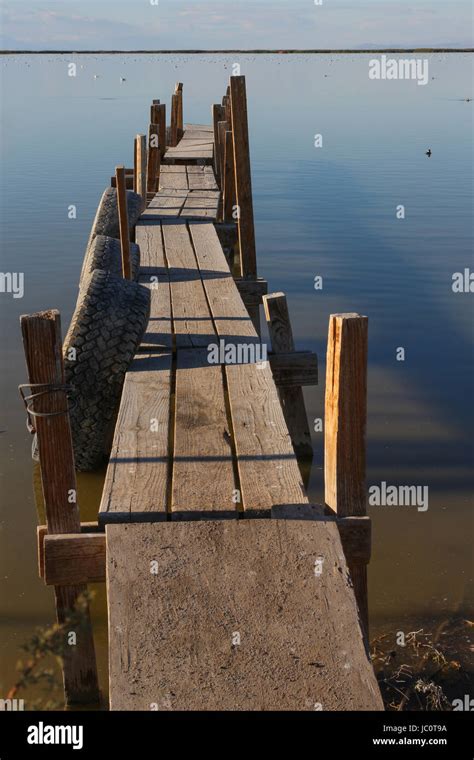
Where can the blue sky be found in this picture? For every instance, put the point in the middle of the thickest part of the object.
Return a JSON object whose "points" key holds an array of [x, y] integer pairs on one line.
{"points": [[177, 24]]}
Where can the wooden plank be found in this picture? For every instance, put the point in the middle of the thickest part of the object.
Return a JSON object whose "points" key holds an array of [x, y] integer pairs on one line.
{"points": [[201, 180], [166, 203], [268, 471], [231, 318], [154, 275], [295, 368], [344, 431], [281, 335], [42, 531], [176, 180], [235, 618], [243, 182], [192, 320], [136, 482], [203, 476], [201, 204], [74, 558], [43, 351]]}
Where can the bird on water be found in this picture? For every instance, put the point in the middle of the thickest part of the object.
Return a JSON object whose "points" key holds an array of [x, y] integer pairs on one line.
{"points": [[428, 153]]}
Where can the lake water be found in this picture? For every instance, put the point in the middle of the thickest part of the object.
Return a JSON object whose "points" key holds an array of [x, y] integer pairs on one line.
{"points": [[329, 212]]}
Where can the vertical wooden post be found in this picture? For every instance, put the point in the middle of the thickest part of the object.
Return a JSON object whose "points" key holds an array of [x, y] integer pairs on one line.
{"points": [[217, 116], [222, 128], [228, 109], [179, 92], [43, 351], [292, 400], [135, 165], [243, 181], [174, 120], [140, 148], [123, 222], [229, 180], [344, 431], [153, 160]]}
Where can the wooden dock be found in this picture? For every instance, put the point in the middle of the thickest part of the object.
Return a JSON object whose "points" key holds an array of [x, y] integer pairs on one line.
{"points": [[227, 589]]}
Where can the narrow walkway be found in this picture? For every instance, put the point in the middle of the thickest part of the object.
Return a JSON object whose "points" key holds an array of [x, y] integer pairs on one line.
{"points": [[223, 613]]}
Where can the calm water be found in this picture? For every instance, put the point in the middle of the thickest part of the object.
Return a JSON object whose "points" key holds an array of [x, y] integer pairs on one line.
{"points": [[326, 211]]}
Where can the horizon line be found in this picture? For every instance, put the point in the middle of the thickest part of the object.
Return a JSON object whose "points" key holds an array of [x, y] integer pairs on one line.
{"points": [[199, 51]]}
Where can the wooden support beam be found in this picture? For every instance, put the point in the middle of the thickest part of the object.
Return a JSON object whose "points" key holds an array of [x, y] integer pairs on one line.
{"points": [[345, 430], [281, 335], [153, 159], [174, 120], [243, 181], [217, 116], [222, 128], [229, 178], [356, 538], [74, 558], [123, 222], [42, 531], [294, 369], [43, 351], [250, 290], [140, 148]]}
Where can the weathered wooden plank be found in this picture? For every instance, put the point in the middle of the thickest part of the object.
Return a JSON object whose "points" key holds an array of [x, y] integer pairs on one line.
{"points": [[231, 318], [295, 368], [74, 558], [136, 482], [236, 616], [268, 471], [243, 182], [201, 204], [42, 531], [176, 180], [203, 475], [152, 253], [166, 203], [201, 180], [192, 320]]}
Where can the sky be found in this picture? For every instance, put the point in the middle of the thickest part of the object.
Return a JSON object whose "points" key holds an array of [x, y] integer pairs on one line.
{"points": [[224, 24]]}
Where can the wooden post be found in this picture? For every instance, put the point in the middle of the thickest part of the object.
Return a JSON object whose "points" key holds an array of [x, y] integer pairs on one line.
{"points": [[123, 222], [222, 128], [217, 116], [174, 120], [344, 432], [43, 351], [158, 116], [243, 181], [153, 160], [228, 110], [229, 179], [179, 92], [140, 147], [135, 165], [292, 400]]}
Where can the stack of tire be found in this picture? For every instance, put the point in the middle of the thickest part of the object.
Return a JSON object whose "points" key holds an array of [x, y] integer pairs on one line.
{"points": [[106, 330]]}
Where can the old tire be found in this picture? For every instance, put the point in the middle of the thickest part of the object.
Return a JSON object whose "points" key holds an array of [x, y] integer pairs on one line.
{"points": [[106, 329], [106, 220], [105, 253]]}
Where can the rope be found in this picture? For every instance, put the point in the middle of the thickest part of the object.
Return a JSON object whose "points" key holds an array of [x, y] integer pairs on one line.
{"points": [[47, 388]]}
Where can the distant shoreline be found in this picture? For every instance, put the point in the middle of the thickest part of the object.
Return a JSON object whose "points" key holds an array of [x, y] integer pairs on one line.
{"points": [[243, 52]]}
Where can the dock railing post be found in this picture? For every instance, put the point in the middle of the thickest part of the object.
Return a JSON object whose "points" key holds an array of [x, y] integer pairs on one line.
{"points": [[229, 179], [292, 400], [174, 120], [43, 351], [345, 435], [158, 116], [123, 222], [179, 92], [217, 116], [243, 181], [222, 128], [153, 159], [140, 150]]}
